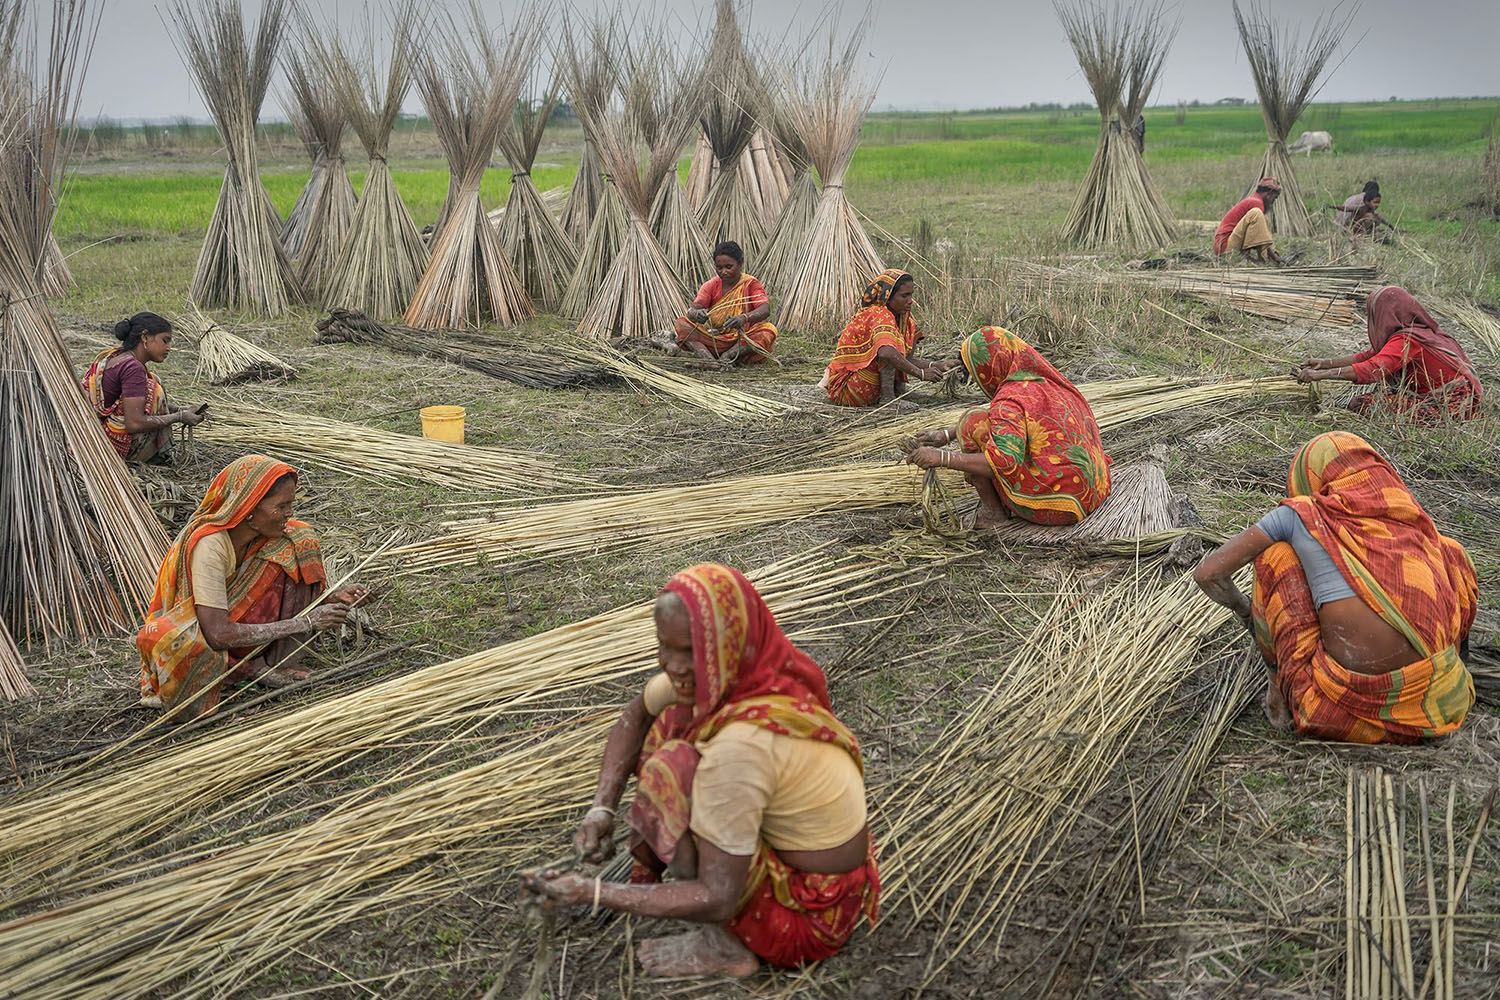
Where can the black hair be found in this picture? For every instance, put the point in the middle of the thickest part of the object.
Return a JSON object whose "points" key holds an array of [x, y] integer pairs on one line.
{"points": [[130, 331], [1372, 190], [1266, 189], [730, 249], [905, 279], [282, 480]]}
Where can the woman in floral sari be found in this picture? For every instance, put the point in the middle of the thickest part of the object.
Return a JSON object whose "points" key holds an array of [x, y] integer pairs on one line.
{"points": [[1361, 607], [236, 579], [1425, 370], [729, 319], [749, 790], [1034, 452], [128, 399], [877, 350]]}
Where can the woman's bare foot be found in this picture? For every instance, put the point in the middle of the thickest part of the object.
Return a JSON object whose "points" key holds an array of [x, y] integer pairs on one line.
{"points": [[1277, 712], [283, 677], [988, 519], [707, 951]]}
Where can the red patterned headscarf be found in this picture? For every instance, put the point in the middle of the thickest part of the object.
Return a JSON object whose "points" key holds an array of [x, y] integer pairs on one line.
{"points": [[993, 356], [878, 292], [745, 669], [1390, 310]]}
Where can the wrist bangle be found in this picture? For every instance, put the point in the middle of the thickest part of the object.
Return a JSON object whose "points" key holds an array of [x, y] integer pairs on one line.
{"points": [[600, 809]]}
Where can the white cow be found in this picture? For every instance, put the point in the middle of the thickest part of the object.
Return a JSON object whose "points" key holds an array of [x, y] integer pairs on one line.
{"points": [[1309, 141]]}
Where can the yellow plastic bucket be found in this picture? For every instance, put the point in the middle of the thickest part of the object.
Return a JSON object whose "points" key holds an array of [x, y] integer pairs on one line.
{"points": [[443, 423]]}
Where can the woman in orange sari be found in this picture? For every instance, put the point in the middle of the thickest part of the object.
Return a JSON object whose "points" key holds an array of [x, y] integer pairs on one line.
{"points": [[237, 578], [748, 789], [1361, 607], [876, 353], [1034, 452], [128, 399], [729, 319]]}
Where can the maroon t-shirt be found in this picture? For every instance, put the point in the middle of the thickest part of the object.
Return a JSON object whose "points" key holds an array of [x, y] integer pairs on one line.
{"points": [[127, 379]]}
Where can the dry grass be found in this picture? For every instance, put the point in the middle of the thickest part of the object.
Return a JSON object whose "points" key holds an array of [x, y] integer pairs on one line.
{"points": [[243, 265]]}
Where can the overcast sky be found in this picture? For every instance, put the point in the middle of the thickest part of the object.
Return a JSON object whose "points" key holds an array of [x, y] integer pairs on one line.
{"points": [[952, 53]]}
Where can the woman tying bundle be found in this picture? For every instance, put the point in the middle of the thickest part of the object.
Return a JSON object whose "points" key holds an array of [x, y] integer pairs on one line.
{"points": [[1034, 452], [728, 321], [1360, 213], [1361, 607], [236, 579], [1426, 372], [749, 790], [876, 353], [130, 402]]}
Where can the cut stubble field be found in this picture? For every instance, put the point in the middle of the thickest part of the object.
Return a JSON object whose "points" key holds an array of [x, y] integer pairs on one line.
{"points": [[1247, 900]]}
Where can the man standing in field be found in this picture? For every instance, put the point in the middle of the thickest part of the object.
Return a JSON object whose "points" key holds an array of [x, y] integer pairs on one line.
{"points": [[1244, 227]]}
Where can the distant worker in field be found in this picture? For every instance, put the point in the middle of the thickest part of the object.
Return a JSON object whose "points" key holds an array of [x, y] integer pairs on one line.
{"points": [[1361, 608], [749, 791], [1358, 214], [1426, 372], [729, 320], [1034, 452], [1138, 133], [128, 399], [238, 577], [1245, 229], [876, 353]]}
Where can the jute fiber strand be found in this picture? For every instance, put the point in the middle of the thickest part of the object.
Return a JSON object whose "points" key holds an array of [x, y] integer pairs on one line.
{"points": [[1286, 69], [542, 253], [383, 256], [370, 453], [788, 238], [585, 57], [319, 222], [79, 546], [973, 830], [1120, 52], [57, 277], [683, 242], [242, 265], [469, 82], [1469, 317], [93, 819], [225, 359], [639, 143], [733, 100], [720, 400], [826, 102], [478, 351], [626, 520], [14, 684]]}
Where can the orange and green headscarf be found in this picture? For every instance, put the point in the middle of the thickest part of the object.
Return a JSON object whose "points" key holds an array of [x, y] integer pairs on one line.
{"points": [[993, 356], [878, 292]]}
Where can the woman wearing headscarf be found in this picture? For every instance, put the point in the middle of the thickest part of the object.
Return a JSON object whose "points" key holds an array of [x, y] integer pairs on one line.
{"points": [[748, 789], [237, 578], [1034, 452], [1425, 370], [876, 353], [1361, 607]]}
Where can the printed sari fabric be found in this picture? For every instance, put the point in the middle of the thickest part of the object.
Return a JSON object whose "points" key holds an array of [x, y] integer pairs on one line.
{"points": [[747, 296], [747, 670], [1039, 434], [276, 579], [132, 447], [1391, 313], [853, 376], [1419, 581]]}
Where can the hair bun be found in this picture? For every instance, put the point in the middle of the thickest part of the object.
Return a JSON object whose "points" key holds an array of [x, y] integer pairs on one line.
{"points": [[122, 329]]}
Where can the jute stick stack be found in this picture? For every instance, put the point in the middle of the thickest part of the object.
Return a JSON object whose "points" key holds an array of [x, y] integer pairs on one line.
{"points": [[826, 101], [79, 547], [470, 85], [1121, 54], [787, 243], [589, 72], [242, 265], [14, 685], [383, 255], [543, 255], [225, 359], [319, 222], [733, 209], [1286, 70]]}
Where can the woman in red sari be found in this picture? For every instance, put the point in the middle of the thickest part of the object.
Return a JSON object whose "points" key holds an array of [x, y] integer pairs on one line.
{"points": [[876, 353], [238, 576], [729, 320], [749, 790], [1034, 452], [1361, 606], [1426, 372], [129, 400]]}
